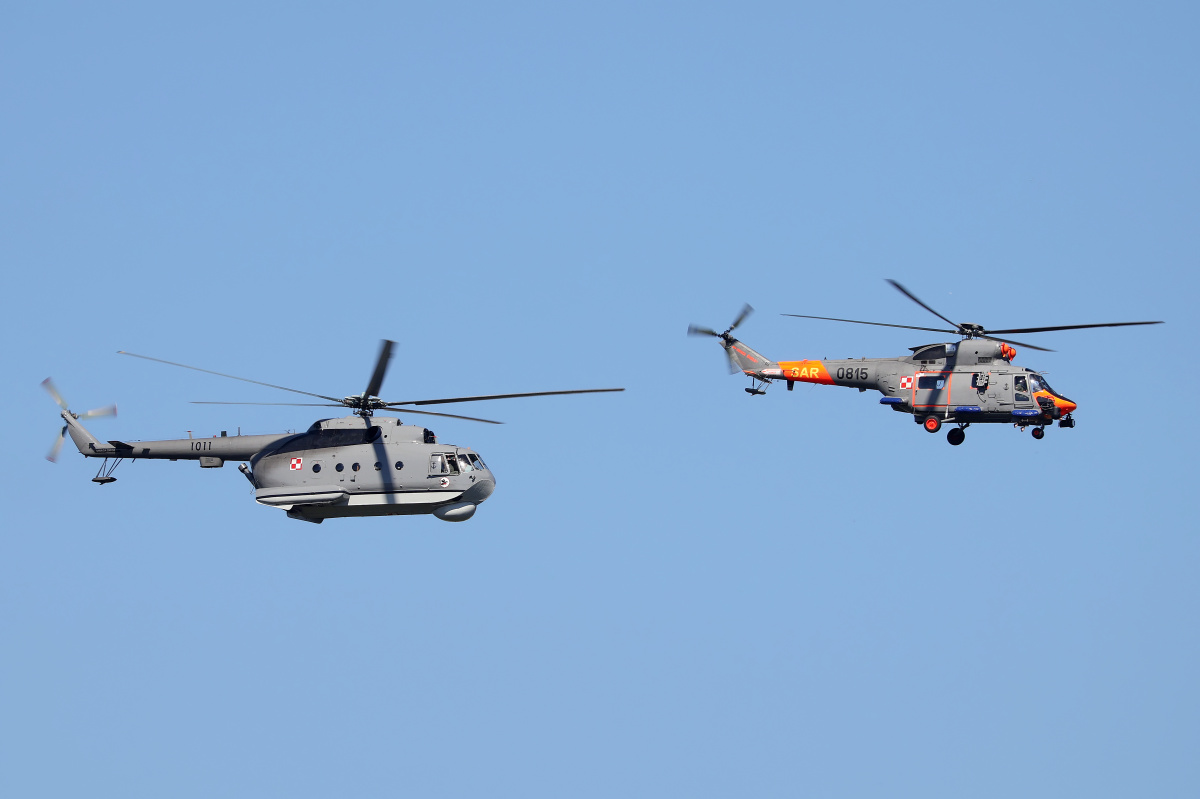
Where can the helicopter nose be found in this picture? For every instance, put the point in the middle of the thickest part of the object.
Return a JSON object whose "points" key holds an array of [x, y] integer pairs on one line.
{"points": [[478, 492], [1065, 405]]}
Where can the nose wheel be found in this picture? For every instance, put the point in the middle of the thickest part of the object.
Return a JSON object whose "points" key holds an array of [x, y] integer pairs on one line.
{"points": [[1037, 433]]}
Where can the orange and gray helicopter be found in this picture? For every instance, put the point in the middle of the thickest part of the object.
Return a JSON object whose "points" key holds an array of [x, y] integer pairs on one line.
{"points": [[971, 381]]}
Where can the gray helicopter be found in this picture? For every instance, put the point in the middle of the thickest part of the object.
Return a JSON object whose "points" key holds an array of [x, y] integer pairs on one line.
{"points": [[357, 465], [971, 381]]}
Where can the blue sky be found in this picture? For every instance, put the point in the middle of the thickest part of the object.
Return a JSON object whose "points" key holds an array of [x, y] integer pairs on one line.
{"points": [[679, 590]]}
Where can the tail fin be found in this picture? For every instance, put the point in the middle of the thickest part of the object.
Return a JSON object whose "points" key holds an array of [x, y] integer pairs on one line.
{"points": [[85, 442], [744, 359]]}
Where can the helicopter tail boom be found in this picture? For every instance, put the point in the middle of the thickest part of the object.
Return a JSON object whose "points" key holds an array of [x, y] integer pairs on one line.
{"points": [[758, 366], [806, 372]]}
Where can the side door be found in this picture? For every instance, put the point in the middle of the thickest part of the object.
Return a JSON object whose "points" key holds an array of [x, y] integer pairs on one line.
{"points": [[1022, 395], [932, 390], [998, 394]]}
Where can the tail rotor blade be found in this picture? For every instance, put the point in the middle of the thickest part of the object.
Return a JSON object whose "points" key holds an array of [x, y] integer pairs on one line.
{"points": [[108, 410], [696, 330], [48, 384], [733, 367], [52, 456], [741, 317]]}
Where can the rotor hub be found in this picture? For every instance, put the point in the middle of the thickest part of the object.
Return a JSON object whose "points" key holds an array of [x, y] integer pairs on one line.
{"points": [[362, 404]]}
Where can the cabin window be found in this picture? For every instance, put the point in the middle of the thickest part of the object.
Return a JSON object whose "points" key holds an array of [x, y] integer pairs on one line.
{"points": [[377, 466], [1020, 389], [356, 467], [340, 467], [316, 468], [399, 465], [931, 382]]}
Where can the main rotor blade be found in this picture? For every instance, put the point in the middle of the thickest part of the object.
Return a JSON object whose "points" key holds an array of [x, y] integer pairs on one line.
{"points": [[1070, 327], [695, 330], [913, 297], [52, 456], [303, 404], [990, 337], [231, 377], [741, 317], [502, 396], [443, 415], [48, 384], [326, 405], [879, 324], [381, 365]]}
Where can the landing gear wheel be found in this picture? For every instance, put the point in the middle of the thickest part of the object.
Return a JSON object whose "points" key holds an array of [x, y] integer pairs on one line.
{"points": [[932, 424], [1037, 433], [956, 436]]}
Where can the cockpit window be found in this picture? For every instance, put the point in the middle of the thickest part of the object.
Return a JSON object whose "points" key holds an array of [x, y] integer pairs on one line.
{"points": [[464, 463], [443, 463], [1039, 384], [476, 460]]}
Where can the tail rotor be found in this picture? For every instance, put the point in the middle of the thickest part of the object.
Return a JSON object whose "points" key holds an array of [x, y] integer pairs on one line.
{"points": [[52, 390], [726, 339]]}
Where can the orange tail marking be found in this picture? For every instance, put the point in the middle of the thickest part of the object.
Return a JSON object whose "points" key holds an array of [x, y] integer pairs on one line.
{"points": [[806, 372]]}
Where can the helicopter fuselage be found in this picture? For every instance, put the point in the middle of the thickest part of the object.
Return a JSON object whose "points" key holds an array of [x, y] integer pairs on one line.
{"points": [[351, 466], [967, 382], [964, 382]]}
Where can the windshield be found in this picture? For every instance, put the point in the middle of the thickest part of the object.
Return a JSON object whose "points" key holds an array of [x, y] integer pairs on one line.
{"points": [[1038, 383]]}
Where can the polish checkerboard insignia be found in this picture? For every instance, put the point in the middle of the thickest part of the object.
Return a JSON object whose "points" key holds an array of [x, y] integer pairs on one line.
{"points": [[906, 382], [297, 463]]}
